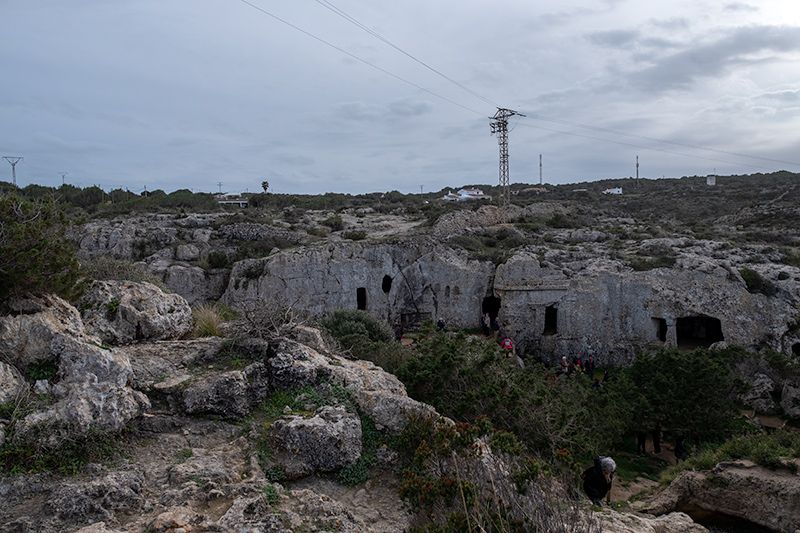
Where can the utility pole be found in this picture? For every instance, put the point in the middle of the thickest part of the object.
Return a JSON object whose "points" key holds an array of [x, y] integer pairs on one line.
{"points": [[499, 125], [540, 170], [13, 161], [63, 177], [637, 171], [219, 184]]}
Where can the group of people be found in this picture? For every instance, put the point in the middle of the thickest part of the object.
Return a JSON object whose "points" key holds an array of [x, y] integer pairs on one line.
{"points": [[493, 328], [681, 452]]}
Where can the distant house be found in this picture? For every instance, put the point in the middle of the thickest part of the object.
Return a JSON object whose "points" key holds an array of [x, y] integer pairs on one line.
{"points": [[233, 199], [616, 190], [534, 190], [466, 194]]}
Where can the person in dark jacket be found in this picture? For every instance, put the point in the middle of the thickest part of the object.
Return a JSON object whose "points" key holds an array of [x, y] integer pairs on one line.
{"points": [[597, 480]]}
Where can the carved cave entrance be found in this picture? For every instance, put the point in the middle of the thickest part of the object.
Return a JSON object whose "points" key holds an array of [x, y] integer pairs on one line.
{"points": [[491, 305], [550, 320], [796, 349], [698, 331], [386, 285], [660, 325], [361, 298]]}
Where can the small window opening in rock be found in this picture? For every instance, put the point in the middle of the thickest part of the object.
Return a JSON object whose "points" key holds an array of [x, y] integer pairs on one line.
{"points": [[796, 349], [550, 320], [660, 325], [361, 298], [456, 291], [447, 292], [698, 331], [387, 284], [491, 305]]}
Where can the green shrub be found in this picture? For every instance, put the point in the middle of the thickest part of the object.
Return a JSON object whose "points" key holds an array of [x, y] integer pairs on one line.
{"points": [[41, 369], [334, 222], [355, 235], [756, 284], [35, 255], [271, 494], [218, 260]]}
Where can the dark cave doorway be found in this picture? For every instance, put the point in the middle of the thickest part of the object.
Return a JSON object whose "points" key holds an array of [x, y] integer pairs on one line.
{"points": [[550, 320], [698, 332], [361, 298], [491, 305]]}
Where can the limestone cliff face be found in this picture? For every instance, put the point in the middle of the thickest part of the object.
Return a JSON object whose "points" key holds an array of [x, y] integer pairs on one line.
{"points": [[584, 305], [611, 312], [406, 282]]}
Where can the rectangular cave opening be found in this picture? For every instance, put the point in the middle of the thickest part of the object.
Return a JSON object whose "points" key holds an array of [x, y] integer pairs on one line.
{"points": [[660, 325], [361, 298], [550, 320], [698, 331]]}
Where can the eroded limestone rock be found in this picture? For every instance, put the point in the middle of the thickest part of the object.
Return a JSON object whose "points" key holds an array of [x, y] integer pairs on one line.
{"points": [[123, 312], [326, 442]]}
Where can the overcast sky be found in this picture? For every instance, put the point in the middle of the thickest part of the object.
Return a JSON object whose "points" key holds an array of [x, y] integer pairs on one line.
{"points": [[175, 94]]}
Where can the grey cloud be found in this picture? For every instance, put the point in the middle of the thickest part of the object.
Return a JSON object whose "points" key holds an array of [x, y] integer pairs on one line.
{"points": [[410, 108], [674, 23], [715, 58], [294, 159], [740, 6], [614, 38], [360, 111]]}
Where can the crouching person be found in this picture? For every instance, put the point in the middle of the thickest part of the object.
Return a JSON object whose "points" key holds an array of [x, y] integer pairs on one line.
{"points": [[597, 480]]}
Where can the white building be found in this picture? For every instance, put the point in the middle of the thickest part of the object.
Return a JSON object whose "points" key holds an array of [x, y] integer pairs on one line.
{"points": [[616, 190], [466, 194]]}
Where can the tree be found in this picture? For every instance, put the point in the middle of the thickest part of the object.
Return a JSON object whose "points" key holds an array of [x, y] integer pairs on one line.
{"points": [[265, 185], [688, 391], [35, 255]]}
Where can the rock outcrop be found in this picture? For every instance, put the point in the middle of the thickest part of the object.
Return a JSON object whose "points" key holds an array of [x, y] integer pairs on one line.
{"points": [[325, 442], [739, 489], [122, 312]]}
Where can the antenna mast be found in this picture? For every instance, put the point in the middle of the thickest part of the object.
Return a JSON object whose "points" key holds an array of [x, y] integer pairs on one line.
{"points": [[499, 125], [13, 161]]}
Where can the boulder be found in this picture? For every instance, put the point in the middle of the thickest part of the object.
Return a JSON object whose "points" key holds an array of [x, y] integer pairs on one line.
{"points": [[92, 394], [230, 394], [251, 515], [27, 333], [325, 442], [99, 499], [669, 523], [790, 399], [12, 384], [122, 312], [760, 396], [205, 468], [739, 489]]}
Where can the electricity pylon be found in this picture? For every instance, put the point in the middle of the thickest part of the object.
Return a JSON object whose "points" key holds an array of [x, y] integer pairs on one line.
{"points": [[499, 125], [13, 161]]}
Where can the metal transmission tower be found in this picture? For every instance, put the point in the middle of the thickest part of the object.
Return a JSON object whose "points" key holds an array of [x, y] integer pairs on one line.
{"points": [[499, 125], [13, 161]]}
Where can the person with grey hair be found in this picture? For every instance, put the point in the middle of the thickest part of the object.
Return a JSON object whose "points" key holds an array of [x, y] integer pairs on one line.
{"points": [[597, 480]]}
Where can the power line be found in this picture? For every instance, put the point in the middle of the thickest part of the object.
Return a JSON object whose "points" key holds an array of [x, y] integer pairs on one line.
{"points": [[339, 12], [342, 50], [648, 147], [654, 139], [329, 5]]}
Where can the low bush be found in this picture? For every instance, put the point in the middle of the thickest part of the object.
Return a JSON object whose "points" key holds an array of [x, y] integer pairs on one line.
{"points": [[208, 319], [106, 268]]}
